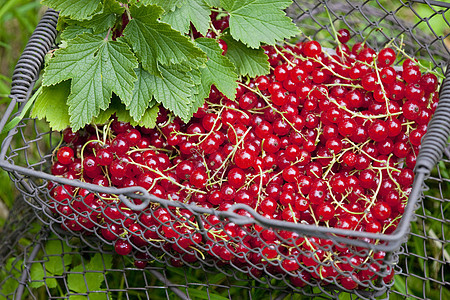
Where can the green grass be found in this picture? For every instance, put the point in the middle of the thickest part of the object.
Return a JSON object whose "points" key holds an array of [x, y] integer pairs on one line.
{"points": [[18, 19]]}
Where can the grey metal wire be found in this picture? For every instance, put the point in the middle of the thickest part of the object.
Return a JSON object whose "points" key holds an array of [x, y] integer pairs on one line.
{"points": [[29, 171]]}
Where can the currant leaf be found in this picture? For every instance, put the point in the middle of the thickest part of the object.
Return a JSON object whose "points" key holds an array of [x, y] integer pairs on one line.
{"points": [[66, 61], [172, 90], [97, 69], [106, 18], [154, 41], [105, 115], [118, 109], [198, 91], [167, 5], [219, 70], [251, 62], [259, 21], [148, 120], [141, 95], [51, 105], [75, 9], [193, 11], [213, 3], [72, 31]]}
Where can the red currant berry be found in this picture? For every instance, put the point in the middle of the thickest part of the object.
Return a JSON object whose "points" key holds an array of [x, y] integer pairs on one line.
{"points": [[123, 247], [386, 57], [65, 155], [377, 130], [312, 49], [343, 35], [198, 178], [381, 211]]}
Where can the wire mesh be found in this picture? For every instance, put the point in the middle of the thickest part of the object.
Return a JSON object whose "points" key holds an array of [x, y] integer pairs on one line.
{"points": [[32, 144], [425, 257], [47, 262]]}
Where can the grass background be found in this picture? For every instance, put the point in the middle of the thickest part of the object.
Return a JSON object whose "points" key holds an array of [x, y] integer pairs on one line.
{"points": [[18, 18]]}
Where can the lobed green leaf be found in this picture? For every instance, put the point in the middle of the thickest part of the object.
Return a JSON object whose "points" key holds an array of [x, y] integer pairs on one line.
{"points": [[72, 31], [248, 62], [193, 11], [198, 91], [172, 90], [97, 68], [75, 9], [118, 109], [167, 5], [259, 21], [219, 70], [156, 42], [213, 3], [51, 105], [106, 18], [141, 95]]}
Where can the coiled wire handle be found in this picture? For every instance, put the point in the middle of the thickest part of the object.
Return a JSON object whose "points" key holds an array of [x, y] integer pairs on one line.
{"points": [[30, 63]]}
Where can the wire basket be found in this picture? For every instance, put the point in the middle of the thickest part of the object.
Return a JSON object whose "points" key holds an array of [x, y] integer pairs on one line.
{"points": [[26, 155]]}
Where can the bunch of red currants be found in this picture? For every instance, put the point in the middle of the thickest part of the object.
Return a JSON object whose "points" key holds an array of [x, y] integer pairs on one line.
{"points": [[328, 138]]}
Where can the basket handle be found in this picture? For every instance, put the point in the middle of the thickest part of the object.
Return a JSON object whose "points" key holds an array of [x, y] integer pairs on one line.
{"points": [[435, 140], [29, 65]]}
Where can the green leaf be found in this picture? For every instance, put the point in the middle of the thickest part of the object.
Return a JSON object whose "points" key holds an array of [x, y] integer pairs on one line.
{"points": [[80, 284], [219, 70], [154, 42], [148, 120], [104, 115], [259, 21], [51, 283], [92, 296], [97, 69], [16, 120], [51, 105], [213, 3], [251, 62], [91, 280], [9, 286], [12, 276], [67, 61], [118, 109], [167, 5], [345, 296], [53, 250], [106, 18], [77, 297], [75, 9], [201, 294], [198, 92], [100, 262], [399, 284], [141, 94], [195, 11], [172, 90], [37, 275], [72, 31]]}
